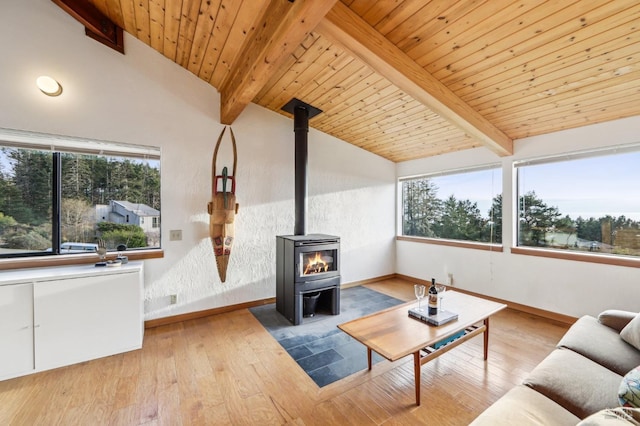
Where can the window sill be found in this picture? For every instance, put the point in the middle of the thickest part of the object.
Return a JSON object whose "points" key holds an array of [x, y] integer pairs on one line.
{"points": [[73, 259], [452, 243], [579, 257]]}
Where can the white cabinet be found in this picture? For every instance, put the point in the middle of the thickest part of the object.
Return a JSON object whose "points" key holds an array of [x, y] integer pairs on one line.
{"points": [[52, 317], [77, 319], [16, 329]]}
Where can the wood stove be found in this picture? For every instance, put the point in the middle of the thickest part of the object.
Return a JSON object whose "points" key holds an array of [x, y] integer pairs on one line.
{"points": [[307, 264]]}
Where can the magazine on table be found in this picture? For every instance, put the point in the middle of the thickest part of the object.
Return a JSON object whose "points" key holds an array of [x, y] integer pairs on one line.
{"points": [[442, 317]]}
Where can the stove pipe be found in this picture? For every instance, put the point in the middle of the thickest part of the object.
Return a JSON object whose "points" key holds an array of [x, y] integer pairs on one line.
{"points": [[302, 112], [301, 129]]}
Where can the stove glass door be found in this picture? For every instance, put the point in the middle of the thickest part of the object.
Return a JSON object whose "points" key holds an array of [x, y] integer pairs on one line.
{"points": [[318, 262]]}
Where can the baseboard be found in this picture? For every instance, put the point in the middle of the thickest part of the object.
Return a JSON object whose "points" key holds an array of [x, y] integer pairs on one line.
{"points": [[565, 319], [554, 316], [207, 312], [368, 281], [215, 311]]}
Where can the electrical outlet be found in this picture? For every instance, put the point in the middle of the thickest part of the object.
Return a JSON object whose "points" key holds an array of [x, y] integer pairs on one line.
{"points": [[450, 279], [173, 299], [175, 235]]}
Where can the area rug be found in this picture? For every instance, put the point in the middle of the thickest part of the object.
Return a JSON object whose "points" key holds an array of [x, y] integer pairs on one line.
{"points": [[323, 351]]}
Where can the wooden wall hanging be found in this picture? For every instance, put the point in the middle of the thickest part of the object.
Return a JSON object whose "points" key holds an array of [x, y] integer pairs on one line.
{"points": [[223, 208]]}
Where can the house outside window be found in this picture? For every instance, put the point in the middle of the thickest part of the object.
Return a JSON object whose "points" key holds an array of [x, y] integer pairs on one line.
{"points": [[583, 202], [63, 195], [458, 205]]}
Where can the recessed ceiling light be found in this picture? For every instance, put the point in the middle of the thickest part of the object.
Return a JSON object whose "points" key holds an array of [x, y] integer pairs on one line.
{"points": [[48, 85]]}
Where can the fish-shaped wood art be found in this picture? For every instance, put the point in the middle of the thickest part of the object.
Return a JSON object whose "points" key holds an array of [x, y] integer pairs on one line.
{"points": [[223, 208]]}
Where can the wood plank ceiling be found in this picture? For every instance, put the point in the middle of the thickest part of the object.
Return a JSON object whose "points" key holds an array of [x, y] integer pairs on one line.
{"points": [[407, 79]]}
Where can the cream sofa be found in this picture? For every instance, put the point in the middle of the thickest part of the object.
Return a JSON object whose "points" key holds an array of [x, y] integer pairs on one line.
{"points": [[578, 380]]}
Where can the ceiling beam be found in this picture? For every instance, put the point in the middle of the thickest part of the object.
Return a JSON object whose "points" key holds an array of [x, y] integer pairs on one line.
{"points": [[278, 32], [346, 28], [97, 26]]}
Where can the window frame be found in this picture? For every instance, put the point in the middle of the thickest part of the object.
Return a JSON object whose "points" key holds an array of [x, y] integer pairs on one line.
{"points": [[564, 254], [469, 244], [56, 144]]}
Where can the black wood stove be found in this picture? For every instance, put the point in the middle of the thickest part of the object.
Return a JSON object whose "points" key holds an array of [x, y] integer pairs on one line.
{"points": [[305, 264]]}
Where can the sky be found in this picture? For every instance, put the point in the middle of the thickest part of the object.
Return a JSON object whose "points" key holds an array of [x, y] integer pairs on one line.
{"points": [[479, 187], [589, 187]]}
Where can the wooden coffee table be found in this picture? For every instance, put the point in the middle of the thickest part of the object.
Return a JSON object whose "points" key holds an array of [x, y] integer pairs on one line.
{"points": [[394, 335]]}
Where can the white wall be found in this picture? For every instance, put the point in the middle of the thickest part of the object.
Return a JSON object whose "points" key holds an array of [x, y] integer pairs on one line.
{"points": [[568, 287], [143, 98]]}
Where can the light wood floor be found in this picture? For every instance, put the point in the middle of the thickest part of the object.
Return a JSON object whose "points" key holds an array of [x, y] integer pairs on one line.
{"points": [[227, 369]]}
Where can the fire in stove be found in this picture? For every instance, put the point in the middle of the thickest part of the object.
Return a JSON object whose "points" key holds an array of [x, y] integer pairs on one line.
{"points": [[316, 264]]}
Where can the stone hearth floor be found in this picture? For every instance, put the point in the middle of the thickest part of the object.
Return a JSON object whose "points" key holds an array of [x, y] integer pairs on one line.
{"points": [[324, 352]]}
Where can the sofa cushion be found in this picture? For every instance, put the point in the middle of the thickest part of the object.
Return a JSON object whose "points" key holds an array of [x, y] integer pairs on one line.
{"points": [[631, 332], [601, 344], [616, 319], [524, 406], [629, 391], [575, 382]]}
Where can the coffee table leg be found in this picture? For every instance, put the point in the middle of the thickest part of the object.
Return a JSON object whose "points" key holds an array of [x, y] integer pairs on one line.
{"points": [[416, 372], [369, 357], [486, 338]]}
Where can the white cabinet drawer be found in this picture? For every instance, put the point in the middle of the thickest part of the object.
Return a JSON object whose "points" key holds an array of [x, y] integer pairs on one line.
{"points": [[16, 329]]}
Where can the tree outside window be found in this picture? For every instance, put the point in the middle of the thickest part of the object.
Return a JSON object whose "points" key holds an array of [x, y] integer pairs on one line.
{"points": [[456, 206]]}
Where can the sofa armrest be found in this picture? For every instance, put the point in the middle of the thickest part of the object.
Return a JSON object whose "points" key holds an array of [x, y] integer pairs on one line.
{"points": [[616, 319]]}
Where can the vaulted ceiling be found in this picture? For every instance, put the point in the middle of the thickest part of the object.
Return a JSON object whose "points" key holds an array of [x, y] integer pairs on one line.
{"points": [[407, 79]]}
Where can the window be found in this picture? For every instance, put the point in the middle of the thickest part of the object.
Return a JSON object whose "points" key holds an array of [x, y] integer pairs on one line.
{"points": [[461, 205], [584, 202], [60, 196]]}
